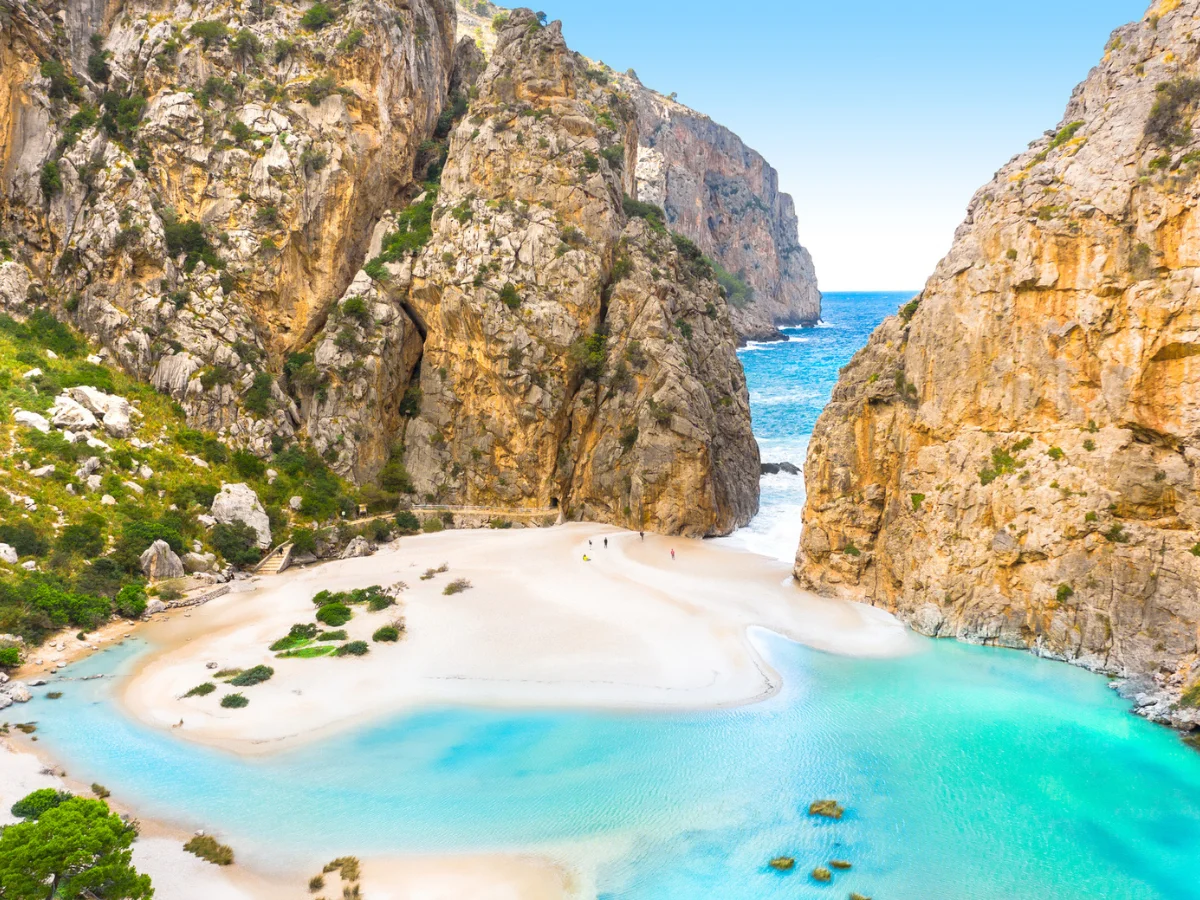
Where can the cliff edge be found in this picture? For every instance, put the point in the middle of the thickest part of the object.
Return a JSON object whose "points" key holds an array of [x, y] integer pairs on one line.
{"points": [[1014, 458]]}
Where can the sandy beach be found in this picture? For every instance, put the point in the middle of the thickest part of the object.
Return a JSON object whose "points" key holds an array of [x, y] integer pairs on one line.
{"points": [[541, 626], [630, 626]]}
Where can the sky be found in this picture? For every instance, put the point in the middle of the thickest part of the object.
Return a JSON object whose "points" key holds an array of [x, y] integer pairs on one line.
{"points": [[883, 117]]}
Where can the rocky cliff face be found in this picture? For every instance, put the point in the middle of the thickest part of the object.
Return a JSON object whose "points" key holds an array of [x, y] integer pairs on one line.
{"points": [[726, 198], [192, 185], [1015, 458], [573, 358], [286, 217]]}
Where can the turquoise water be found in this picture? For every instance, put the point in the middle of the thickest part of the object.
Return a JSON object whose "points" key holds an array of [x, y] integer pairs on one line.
{"points": [[789, 386], [968, 773]]}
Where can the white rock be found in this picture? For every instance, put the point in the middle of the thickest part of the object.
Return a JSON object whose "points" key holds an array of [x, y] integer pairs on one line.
{"points": [[108, 500], [271, 476], [359, 546], [159, 562], [197, 461], [134, 486], [42, 471], [296, 502], [18, 691], [114, 411], [32, 373], [96, 444], [31, 420], [94, 482], [145, 471], [29, 565], [5, 701], [69, 413], [199, 562], [206, 520], [51, 354], [87, 467], [8, 554], [95, 360], [154, 605], [239, 503]]}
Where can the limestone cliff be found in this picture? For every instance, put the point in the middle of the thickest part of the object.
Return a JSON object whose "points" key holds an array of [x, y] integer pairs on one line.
{"points": [[193, 184], [726, 198], [332, 223], [1015, 458], [573, 358]]}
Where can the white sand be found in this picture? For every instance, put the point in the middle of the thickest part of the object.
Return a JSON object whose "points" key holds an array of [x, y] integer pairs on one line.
{"points": [[632, 628], [540, 627]]}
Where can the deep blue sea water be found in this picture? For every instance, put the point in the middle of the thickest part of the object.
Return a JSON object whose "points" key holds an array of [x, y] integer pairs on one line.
{"points": [[967, 773]]}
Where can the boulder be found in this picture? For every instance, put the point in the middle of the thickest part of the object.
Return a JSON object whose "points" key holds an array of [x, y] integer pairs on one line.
{"points": [[8, 554], [108, 500], [42, 471], [87, 467], [199, 562], [789, 468], [113, 411], [359, 546], [160, 562], [31, 420], [295, 503], [94, 482], [18, 692], [154, 605], [239, 503], [69, 413], [32, 373], [5, 701]]}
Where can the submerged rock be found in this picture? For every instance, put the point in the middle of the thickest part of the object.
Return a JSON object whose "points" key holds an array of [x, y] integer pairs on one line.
{"points": [[820, 873], [830, 809], [783, 863]]}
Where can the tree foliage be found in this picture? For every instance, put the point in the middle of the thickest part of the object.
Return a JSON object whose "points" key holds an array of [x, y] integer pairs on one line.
{"points": [[75, 849]]}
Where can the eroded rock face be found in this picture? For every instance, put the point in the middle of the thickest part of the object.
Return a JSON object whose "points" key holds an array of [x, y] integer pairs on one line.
{"points": [[160, 562], [282, 145], [1018, 463], [725, 197], [238, 503], [531, 291]]}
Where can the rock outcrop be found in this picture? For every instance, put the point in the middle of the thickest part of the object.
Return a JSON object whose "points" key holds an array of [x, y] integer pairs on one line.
{"points": [[238, 503], [1015, 458], [159, 562], [725, 197], [572, 358], [197, 192]]}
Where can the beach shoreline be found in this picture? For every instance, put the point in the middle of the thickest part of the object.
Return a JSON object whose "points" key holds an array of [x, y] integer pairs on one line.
{"points": [[630, 628], [633, 627]]}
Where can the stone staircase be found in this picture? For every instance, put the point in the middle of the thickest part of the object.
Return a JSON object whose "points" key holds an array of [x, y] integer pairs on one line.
{"points": [[275, 561]]}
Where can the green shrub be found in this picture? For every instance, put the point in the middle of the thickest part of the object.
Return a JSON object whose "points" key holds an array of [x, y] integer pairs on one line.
{"points": [[327, 636], [1055, 453], [432, 526], [407, 522], [354, 648], [201, 690], [1064, 593], [24, 538], [318, 89], [1191, 697], [188, 237], [334, 614], [252, 676], [1169, 123], [258, 397], [591, 162], [234, 701], [909, 309], [1065, 134], [387, 634], [207, 847], [917, 500], [457, 586], [62, 85], [10, 657], [33, 805], [509, 296], [130, 601], [51, 179], [209, 32], [851, 550], [1116, 534], [237, 543], [317, 17]]}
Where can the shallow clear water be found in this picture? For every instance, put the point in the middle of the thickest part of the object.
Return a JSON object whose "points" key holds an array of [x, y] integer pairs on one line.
{"points": [[789, 386], [969, 773]]}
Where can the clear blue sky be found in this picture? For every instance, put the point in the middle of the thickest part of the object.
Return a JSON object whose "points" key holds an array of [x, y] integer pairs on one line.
{"points": [[882, 116]]}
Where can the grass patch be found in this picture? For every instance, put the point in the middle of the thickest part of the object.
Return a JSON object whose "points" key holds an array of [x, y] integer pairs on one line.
{"points": [[251, 677], [354, 648], [306, 652], [457, 586], [388, 634], [234, 701], [201, 690], [210, 849]]}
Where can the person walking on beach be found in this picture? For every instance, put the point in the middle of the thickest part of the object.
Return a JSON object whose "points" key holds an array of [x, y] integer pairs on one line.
{"points": [[606, 543], [672, 554], [642, 535]]}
